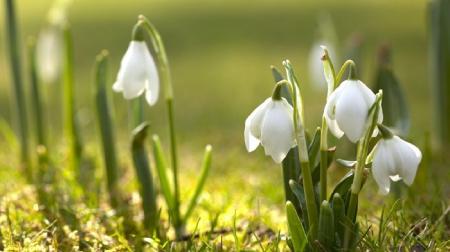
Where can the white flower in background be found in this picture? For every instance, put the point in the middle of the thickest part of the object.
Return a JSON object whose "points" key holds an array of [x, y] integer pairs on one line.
{"points": [[271, 124], [347, 109], [49, 54], [138, 74], [394, 159], [316, 75]]}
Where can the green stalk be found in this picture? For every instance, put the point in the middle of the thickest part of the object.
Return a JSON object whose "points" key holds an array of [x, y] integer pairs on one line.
{"points": [[362, 151], [164, 71], [440, 63], [104, 116], [308, 185], [16, 71], [323, 160], [71, 126], [144, 175], [36, 96]]}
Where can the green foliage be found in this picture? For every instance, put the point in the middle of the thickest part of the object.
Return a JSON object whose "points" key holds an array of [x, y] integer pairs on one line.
{"points": [[326, 235], [145, 178], [106, 126], [296, 230]]}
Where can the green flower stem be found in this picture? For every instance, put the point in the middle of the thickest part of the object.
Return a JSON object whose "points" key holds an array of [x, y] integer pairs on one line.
{"points": [[106, 124], [36, 95], [71, 126], [16, 70], [362, 151], [303, 151], [341, 72], [164, 70], [323, 160]]}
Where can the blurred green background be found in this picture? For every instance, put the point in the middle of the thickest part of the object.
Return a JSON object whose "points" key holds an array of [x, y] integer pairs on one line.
{"points": [[220, 53]]}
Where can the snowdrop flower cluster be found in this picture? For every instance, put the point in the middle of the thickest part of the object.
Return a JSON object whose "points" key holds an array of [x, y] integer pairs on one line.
{"points": [[346, 113]]}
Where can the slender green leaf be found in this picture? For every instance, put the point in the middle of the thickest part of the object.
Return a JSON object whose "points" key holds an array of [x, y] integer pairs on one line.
{"points": [[296, 230], [71, 125], [106, 126], [144, 176], [36, 95], [161, 168], [299, 193], [439, 27], [344, 185], [206, 166], [291, 171], [16, 71]]}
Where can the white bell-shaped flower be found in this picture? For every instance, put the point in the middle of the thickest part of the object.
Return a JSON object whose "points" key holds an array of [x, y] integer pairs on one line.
{"points": [[138, 74], [347, 109], [394, 159], [271, 124]]}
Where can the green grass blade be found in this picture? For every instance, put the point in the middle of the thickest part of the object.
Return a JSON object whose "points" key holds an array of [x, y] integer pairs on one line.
{"points": [[439, 25], [206, 166], [36, 95], [71, 126], [16, 70], [296, 230], [144, 176], [106, 126], [161, 168]]}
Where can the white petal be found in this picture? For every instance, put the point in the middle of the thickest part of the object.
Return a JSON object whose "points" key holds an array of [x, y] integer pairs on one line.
{"points": [[152, 84], [329, 112], [254, 121], [408, 158], [258, 117], [134, 70], [351, 111], [117, 86], [277, 130], [383, 163]]}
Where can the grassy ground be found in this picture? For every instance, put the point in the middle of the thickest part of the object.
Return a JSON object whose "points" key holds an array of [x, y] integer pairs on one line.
{"points": [[220, 53]]}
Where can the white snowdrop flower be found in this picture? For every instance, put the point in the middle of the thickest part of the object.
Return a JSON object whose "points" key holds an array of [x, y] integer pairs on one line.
{"points": [[272, 125], [49, 54], [347, 109], [394, 159], [138, 73]]}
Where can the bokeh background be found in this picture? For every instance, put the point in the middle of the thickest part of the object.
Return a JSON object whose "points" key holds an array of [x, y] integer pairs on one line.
{"points": [[220, 54]]}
